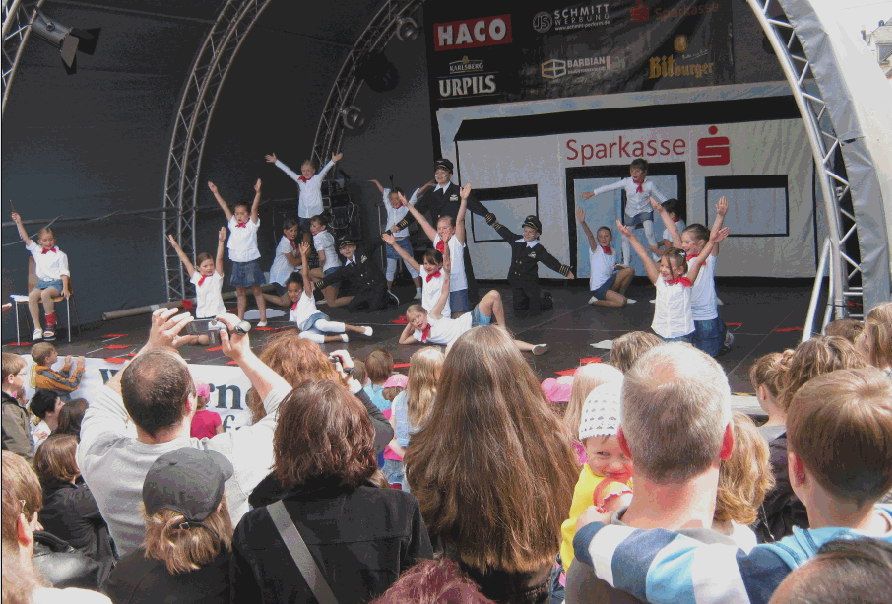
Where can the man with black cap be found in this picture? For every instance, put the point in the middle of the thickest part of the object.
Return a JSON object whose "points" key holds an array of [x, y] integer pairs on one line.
{"points": [[364, 275], [444, 200], [526, 254]]}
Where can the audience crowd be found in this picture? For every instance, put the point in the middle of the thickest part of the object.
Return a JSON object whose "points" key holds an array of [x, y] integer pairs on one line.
{"points": [[463, 481]]}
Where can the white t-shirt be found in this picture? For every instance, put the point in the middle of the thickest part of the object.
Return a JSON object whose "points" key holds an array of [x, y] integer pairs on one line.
{"points": [[602, 266], [39, 433], [242, 241], [306, 306], [446, 330], [282, 267], [324, 241], [635, 202], [458, 280], [703, 298], [309, 201], [679, 226], [431, 290], [396, 215], [209, 295], [672, 312], [51, 265]]}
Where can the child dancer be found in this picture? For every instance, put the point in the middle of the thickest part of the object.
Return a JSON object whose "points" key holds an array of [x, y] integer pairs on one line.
{"points": [[309, 184], [673, 278], [609, 280], [412, 407], [324, 242], [526, 254], [242, 244], [285, 262], [314, 325], [362, 271], [395, 213], [710, 332], [450, 233], [638, 189], [54, 278], [671, 206], [208, 281], [432, 271]]}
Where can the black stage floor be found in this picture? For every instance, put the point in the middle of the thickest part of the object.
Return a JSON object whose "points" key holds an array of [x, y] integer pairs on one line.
{"points": [[763, 319]]}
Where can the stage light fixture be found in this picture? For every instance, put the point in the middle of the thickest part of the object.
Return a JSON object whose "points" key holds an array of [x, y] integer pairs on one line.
{"points": [[379, 73], [407, 29], [69, 40], [353, 118]]}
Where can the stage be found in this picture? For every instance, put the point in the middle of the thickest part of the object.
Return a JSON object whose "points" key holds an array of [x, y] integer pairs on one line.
{"points": [[763, 319]]}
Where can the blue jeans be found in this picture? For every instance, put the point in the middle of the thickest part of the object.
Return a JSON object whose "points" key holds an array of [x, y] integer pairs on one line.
{"points": [[395, 472], [709, 335], [459, 301], [684, 338]]}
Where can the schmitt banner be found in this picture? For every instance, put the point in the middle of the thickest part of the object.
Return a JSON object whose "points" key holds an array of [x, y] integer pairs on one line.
{"points": [[504, 52]]}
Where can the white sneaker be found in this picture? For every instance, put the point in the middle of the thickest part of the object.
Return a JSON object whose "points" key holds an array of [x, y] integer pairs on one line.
{"points": [[654, 301], [345, 337], [261, 323], [418, 294], [540, 349], [37, 334], [592, 300], [367, 330], [630, 301], [729, 338]]}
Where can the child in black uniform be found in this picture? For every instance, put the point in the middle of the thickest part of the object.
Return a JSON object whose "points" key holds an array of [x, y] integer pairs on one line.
{"points": [[526, 254], [364, 274]]}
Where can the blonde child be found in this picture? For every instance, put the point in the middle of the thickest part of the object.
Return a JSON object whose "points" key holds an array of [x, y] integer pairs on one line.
{"points": [[314, 325], [396, 212], [412, 407], [672, 316], [53, 278], [765, 376], [63, 382], [710, 333], [205, 423], [626, 349], [432, 273], [243, 223], [605, 479], [284, 263], [327, 252], [587, 378], [608, 281], [207, 277], [309, 184], [875, 342], [637, 213]]}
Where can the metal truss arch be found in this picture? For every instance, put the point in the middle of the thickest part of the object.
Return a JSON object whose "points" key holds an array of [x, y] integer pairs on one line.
{"points": [[17, 17], [197, 103], [380, 30]]}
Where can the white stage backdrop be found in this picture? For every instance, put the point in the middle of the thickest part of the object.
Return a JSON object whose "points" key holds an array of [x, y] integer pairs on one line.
{"points": [[541, 163], [228, 387]]}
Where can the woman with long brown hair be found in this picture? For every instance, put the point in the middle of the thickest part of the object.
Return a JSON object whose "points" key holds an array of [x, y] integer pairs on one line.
{"points": [[493, 468], [361, 537]]}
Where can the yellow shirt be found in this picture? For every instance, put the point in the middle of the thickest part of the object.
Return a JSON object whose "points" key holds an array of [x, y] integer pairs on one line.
{"points": [[583, 498]]}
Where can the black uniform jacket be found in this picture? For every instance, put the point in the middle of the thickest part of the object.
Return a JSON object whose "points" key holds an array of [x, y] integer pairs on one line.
{"points": [[446, 204], [524, 271], [363, 272]]}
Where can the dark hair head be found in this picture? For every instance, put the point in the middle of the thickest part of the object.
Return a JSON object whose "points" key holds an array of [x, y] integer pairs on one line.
{"points": [[155, 387], [640, 163], [605, 228], [672, 206], [54, 460], [379, 365], [320, 219], [71, 416], [290, 223], [434, 256], [397, 191], [241, 205], [434, 582], [200, 258], [295, 277], [43, 401], [698, 232], [323, 430]]}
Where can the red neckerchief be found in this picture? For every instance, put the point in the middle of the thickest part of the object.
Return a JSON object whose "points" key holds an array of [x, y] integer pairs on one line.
{"points": [[425, 332], [293, 247], [293, 306], [440, 246], [680, 279], [676, 220], [48, 249], [640, 188], [303, 179], [241, 225], [690, 257], [606, 249], [430, 276], [201, 281]]}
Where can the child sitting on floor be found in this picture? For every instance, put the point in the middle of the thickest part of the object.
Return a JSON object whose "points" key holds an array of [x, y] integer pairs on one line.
{"points": [[63, 382], [608, 281]]}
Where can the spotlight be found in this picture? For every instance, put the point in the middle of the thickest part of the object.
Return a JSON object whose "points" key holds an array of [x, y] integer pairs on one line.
{"points": [[353, 118], [407, 29], [68, 39], [379, 73]]}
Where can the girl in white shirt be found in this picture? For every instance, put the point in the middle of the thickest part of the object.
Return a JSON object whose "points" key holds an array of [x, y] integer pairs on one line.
{"points": [[673, 277], [327, 252], [432, 271], [208, 282], [54, 278], [314, 325], [284, 263], [309, 185]]}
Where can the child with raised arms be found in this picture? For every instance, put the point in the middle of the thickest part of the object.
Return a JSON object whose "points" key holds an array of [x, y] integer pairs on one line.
{"points": [[710, 332], [609, 280], [284, 263], [309, 184], [243, 223], [432, 273], [637, 213], [672, 207], [54, 278], [673, 278], [396, 211], [314, 325], [208, 281]]}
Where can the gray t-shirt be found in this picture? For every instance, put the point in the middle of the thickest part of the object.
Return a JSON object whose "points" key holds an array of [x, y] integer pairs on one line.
{"points": [[769, 433]]}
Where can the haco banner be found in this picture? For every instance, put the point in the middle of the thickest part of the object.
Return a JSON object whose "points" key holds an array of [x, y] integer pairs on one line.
{"points": [[229, 386], [510, 52]]}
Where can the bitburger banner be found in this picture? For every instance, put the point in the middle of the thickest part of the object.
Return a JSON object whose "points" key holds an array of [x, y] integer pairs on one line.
{"points": [[499, 52]]}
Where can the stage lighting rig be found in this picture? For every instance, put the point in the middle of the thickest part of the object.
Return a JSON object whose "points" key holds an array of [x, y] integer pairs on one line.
{"points": [[407, 29], [69, 40], [353, 118]]}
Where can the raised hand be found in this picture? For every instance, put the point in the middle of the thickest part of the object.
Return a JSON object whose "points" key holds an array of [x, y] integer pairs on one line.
{"points": [[67, 360], [623, 229], [304, 248], [580, 214], [257, 185], [388, 239], [337, 158], [720, 236], [235, 345], [655, 205], [402, 198], [466, 191], [173, 242], [722, 206], [166, 327], [223, 235], [588, 195], [16, 218], [81, 361], [212, 186], [271, 158]]}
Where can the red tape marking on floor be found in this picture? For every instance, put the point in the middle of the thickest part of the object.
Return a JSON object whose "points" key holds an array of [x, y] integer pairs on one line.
{"points": [[117, 346], [17, 344], [589, 360], [231, 363], [566, 372], [401, 320], [788, 329], [215, 349], [734, 324], [401, 365], [114, 335], [266, 328], [115, 360]]}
